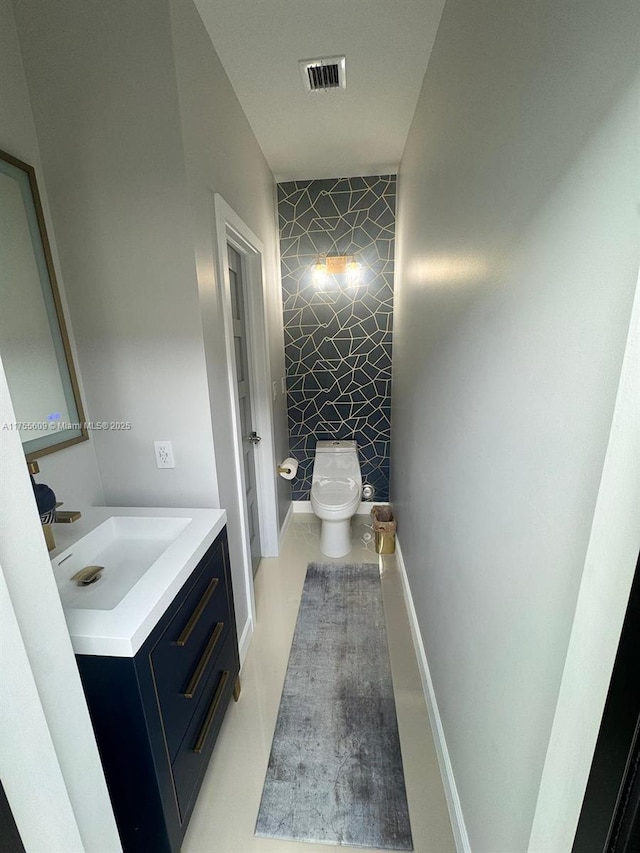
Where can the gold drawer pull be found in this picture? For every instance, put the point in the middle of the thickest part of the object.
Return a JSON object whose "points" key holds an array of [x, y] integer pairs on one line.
{"points": [[213, 707], [197, 613], [204, 660]]}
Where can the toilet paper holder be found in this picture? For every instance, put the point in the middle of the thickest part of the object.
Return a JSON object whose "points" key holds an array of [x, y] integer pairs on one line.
{"points": [[288, 468]]}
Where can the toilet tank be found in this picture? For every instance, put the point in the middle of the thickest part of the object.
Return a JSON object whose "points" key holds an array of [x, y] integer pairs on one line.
{"points": [[337, 459]]}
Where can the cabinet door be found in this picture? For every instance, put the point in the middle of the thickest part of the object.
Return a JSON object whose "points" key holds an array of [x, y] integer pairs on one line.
{"points": [[117, 710]]}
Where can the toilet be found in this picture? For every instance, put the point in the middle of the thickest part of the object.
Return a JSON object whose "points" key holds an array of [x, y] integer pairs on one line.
{"points": [[336, 488]]}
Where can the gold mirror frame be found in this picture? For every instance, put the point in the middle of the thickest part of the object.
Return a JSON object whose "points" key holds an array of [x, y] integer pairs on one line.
{"points": [[81, 433]]}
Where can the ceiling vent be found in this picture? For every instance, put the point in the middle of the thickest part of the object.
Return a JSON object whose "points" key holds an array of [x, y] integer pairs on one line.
{"points": [[322, 75]]}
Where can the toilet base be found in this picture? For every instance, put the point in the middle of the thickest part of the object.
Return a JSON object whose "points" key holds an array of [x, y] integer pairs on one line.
{"points": [[335, 537]]}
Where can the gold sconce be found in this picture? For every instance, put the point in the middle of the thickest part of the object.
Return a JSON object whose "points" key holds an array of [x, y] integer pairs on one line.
{"points": [[326, 265]]}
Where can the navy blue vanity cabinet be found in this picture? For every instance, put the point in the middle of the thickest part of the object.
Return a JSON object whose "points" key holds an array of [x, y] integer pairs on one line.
{"points": [[157, 715]]}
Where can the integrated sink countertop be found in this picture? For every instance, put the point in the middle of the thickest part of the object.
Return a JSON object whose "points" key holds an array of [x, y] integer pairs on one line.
{"points": [[147, 554]]}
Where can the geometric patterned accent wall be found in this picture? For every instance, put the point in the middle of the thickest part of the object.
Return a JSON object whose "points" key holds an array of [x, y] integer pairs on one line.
{"points": [[338, 336]]}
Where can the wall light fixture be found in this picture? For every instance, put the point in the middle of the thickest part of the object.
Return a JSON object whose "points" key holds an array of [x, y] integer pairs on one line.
{"points": [[326, 265]]}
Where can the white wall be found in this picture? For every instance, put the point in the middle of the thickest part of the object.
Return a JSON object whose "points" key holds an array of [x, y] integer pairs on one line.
{"points": [[46, 733], [73, 472], [518, 257], [600, 611], [222, 155], [115, 90], [104, 96], [138, 127], [49, 760], [43, 813]]}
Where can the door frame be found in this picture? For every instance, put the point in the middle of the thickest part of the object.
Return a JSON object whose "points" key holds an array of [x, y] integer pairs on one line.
{"points": [[230, 229]]}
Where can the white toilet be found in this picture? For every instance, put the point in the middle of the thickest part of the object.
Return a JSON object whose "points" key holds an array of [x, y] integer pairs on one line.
{"points": [[336, 488]]}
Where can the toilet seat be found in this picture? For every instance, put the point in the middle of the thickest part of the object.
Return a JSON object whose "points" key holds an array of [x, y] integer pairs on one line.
{"points": [[335, 494]]}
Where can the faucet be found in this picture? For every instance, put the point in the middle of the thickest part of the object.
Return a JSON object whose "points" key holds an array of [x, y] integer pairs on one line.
{"points": [[48, 508]]}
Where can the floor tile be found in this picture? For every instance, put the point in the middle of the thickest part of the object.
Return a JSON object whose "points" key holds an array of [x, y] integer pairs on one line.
{"points": [[224, 818]]}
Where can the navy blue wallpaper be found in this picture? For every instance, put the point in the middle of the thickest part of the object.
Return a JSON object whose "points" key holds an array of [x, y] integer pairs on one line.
{"points": [[338, 335]]}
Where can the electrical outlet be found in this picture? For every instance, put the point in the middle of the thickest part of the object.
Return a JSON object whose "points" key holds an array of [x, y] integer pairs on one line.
{"points": [[283, 384], [164, 454], [274, 389]]}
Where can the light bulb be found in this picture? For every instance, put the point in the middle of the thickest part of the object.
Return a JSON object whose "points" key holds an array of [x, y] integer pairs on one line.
{"points": [[353, 272], [319, 272]]}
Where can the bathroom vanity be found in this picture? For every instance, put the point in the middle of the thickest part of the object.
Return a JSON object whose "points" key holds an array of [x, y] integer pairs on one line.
{"points": [[157, 688]]}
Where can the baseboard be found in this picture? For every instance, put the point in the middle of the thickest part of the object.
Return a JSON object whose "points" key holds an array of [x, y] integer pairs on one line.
{"points": [[366, 506], [446, 770], [363, 509], [245, 640], [285, 526]]}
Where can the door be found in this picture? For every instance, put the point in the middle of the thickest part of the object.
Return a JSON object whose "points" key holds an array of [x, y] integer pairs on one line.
{"points": [[250, 439], [610, 817], [10, 840]]}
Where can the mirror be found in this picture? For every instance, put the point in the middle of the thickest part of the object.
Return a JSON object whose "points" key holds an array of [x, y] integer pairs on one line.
{"points": [[34, 345]]}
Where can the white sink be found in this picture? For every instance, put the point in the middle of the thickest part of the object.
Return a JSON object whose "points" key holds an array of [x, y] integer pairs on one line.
{"points": [[126, 547], [147, 554]]}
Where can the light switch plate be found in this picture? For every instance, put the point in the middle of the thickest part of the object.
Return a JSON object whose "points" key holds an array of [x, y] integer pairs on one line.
{"points": [[274, 389], [283, 384]]}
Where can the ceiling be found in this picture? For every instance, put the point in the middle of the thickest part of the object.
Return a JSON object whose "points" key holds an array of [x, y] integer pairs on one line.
{"points": [[358, 131]]}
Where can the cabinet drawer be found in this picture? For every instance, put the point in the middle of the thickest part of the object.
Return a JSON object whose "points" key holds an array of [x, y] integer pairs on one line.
{"points": [[193, 756], [184, 656]]}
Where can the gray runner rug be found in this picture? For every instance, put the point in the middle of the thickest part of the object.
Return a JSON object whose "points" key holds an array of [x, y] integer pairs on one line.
{"points": [[335, 770]]}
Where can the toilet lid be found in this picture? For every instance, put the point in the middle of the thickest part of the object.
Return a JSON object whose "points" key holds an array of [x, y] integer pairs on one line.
{"points": [[335, 494]]}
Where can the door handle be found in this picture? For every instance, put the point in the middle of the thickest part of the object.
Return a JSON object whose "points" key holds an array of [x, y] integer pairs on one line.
{"points": [[254, 438]]}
